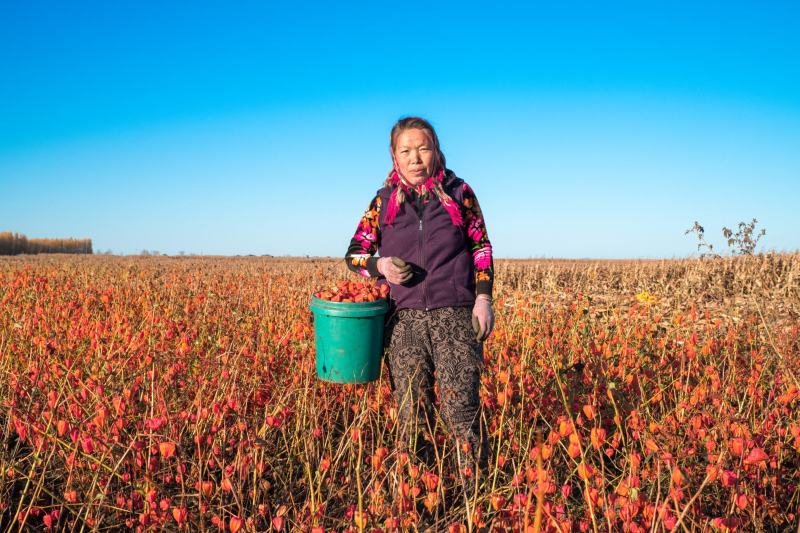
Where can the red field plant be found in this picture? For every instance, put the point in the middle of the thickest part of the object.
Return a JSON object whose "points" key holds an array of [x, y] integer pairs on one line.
{"points": [[180, 394]]}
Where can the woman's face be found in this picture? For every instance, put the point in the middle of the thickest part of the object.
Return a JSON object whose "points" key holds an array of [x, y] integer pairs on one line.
{"points": [[414, 155]]}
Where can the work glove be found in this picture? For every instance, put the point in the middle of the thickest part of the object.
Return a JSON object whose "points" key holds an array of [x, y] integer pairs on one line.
{"points": [[482, 317], [394, 269]]}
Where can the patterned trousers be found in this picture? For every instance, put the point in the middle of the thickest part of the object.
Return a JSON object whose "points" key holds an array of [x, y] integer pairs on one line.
{"points": [[442, 341]]}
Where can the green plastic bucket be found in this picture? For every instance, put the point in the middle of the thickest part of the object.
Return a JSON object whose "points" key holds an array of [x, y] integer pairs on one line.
{"points": [[349, 339]]}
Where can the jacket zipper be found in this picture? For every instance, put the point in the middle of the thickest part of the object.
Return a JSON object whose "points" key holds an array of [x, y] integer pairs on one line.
{"points": [[422, 261]]}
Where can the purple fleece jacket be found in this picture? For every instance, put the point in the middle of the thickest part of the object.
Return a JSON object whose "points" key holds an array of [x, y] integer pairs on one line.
{"points": [[444, 257]]}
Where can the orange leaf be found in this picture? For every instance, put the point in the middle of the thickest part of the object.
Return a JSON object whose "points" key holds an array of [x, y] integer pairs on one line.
{"points": [[598, 437], [179, 514], [677, 476], [741, 501], [166, 449], [736, 446]]}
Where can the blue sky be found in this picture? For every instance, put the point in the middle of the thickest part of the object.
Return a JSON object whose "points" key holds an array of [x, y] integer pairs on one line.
{"points": [[586, 129]]}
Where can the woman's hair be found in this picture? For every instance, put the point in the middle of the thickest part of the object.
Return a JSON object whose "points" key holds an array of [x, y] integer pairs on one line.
{"points": [[408, 123]]}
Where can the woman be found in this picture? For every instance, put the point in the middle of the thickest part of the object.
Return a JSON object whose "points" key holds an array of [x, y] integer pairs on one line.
{"points": [[428, 230]]}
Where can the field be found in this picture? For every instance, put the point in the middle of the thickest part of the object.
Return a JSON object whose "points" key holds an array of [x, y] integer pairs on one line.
{"points": [[180, 394]]}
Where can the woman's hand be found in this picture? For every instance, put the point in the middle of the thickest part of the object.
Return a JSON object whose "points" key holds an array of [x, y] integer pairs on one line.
{"points": [[394, 269], [482, 317]]}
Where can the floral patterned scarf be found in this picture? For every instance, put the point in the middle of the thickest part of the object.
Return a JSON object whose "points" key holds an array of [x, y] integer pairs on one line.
{"points": [[401, 188]]}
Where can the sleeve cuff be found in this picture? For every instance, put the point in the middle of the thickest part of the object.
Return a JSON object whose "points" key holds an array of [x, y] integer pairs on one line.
{"points": [[372, 267], [483, 287]]}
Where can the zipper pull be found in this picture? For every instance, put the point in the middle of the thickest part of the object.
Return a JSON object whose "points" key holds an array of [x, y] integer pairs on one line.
{"points": [[420, 225]]}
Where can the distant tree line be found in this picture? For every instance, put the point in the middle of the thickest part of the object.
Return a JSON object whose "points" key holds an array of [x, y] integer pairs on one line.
{"points": [[16, 243]]}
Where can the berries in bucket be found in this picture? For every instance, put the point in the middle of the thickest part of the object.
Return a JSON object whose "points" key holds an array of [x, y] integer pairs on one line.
{"points": [[354, 291]]}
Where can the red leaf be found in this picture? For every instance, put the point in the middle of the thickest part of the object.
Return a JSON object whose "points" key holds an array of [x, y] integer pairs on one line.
{"points": [[756, 456]]}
